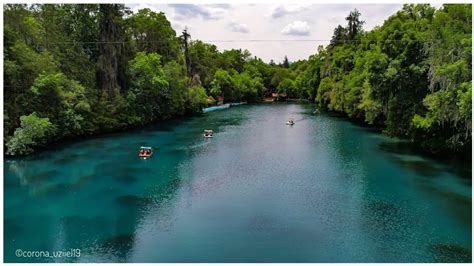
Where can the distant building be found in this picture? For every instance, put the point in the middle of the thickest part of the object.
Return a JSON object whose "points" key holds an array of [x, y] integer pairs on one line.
{"points": [[220, 100], [278, 96]]}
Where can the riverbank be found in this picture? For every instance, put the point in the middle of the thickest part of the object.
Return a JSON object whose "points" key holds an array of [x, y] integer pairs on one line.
{"points": [[71, 139], [410, 145]]}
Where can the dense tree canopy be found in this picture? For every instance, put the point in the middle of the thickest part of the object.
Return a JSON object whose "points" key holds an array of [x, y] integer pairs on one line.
{"points": [[72, 70], [411, 75]]}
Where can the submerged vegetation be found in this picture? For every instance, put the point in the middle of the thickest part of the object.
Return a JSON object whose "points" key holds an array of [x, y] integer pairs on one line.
{"points": [[74, 70]]}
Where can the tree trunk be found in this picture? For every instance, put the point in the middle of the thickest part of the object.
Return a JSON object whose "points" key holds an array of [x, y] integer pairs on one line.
{"points": [[110, 49]]}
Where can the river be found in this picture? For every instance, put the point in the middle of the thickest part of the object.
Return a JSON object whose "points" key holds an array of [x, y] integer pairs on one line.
{"points": [[323, 190]]}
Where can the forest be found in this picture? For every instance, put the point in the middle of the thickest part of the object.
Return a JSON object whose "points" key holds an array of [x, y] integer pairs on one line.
{"points": [[74, 70]]}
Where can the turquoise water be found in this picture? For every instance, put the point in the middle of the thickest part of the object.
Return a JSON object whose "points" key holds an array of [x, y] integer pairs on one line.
{"points": [[323, 190]]}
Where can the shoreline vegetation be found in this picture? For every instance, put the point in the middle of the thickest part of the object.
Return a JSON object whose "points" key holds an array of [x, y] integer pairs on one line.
{"points": [[76, 70]]}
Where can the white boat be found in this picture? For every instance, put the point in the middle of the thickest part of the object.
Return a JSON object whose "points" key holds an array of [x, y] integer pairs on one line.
{"points": [[290, 122], [145, 152], [208, 133]]}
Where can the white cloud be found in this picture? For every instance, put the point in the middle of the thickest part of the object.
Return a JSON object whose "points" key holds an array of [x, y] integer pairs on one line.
{"points": [[239, 27], [300, 28], [284, 10], [178, 27], [206, 12], [212, 23], [136, 7]]}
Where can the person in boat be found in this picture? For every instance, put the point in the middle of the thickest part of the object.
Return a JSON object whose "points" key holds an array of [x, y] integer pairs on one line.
{"points": [[145, 152], [208, 133]]}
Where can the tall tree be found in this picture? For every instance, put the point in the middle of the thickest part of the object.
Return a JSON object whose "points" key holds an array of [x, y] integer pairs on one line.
{"points": [[152, 32], [185, 37], [110, 48], [339, 36], [286, 64], [354, 24]]}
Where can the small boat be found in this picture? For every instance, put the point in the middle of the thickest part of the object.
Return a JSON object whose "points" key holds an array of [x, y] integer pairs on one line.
{"points": [[145, 152], [290, 122], [208, 133]]}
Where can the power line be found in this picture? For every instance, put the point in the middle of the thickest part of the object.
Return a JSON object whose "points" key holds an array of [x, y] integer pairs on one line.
{"points": [[237, 41]]}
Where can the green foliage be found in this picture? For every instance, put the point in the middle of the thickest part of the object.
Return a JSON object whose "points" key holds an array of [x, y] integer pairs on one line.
{"points": [[234, 59], [288, 87], [152, 32], [222, 84], [412, 75], [204, 61], [33, 132], [61, 100], [150, 91], [448, 104], [112, 114], [371, 108], [175, 75], [279, 75], [324, 89], [246, 87], [196, 99]]}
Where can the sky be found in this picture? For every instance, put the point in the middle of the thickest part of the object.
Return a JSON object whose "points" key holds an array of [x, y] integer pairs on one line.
{"points": [[233, 25]]}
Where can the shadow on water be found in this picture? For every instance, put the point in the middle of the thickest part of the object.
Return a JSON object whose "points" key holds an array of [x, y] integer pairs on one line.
{"points": [[420, 167], [59, 189], [131, 209], [384, 219], [132, 201], [386, 224], [119, 246], [425, 167], [125, 178], [123, 173], [460, 165], [453, 200], [449, 253], [12, 228], [89, 228], [83, 181], [55, 190], [359, 122], [67, 158], [40, 177], [163, 193], [167, 191], [455, 204]]}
